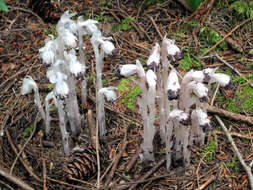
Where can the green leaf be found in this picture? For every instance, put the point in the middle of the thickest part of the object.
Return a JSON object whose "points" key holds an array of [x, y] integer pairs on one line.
{"points": [[3, 7], [194, 4]]}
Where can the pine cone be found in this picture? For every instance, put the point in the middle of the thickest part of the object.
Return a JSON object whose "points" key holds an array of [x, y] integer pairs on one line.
{"points": [[82, 165], [45, 9]]}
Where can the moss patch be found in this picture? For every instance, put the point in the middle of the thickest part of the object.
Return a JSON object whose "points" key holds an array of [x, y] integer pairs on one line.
{"points": [[128, 92]]}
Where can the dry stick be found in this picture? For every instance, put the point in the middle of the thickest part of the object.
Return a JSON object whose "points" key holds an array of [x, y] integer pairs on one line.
{"points": [[153, 22], [238, 154], [197, 171], [133, 159], [233, 68], [204, 185], [234, 134], [92, 129], [234, 116], [22, 149], [26, 166], [44, 174], [14, 179], [116, 161], [149, 173], [234, 29]]}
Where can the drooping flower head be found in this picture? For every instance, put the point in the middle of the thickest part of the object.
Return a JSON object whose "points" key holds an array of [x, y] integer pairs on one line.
{"points": [[89, 26], [28, 85], [75, 67], [172, 49], [66, 23], [173, 87], [109, 93], [106, 45], [203, 121], [126, 70], [151, 78], [154, 58], [61, 89], [48, 52], [181, 116], [223, 79]]}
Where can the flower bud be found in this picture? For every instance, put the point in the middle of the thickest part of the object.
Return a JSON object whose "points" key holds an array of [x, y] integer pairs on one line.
{"points": [[151, 78], [154, 58], [173, 87], [28, 85], [109, 93]]}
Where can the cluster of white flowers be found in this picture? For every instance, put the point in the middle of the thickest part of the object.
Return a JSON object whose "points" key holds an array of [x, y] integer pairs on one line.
{"points": [[175, 102], [65, 67]]}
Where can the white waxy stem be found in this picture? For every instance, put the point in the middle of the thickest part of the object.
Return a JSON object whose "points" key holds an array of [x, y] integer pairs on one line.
{"points": [[140, 69], [109, 93], [27, 87], [173, 87], [151, 78], [127, 70], [154, 58], [48, 98]]}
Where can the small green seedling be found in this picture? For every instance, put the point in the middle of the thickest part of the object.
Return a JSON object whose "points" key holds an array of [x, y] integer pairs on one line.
{"points": [[3, 6], [209, 151], [28, 131], [125, 24], [128, 91]]}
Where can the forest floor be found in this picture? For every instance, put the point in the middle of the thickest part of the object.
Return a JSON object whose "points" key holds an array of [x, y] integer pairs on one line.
{"points": [[135, 27]]}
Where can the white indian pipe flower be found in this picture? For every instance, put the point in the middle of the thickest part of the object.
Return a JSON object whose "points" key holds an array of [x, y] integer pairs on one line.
{"points": [[109, 93], [48, 52], [154, 58], [181, 116], [223, 79], [90, 26], [173, 50], [203, 120], [54, 76], [75, 67], [61, 89], [68, 38], [198, 76], [151, 78], [126, 70], [173, 87], [66, 22], [28, 85], [106, 45]]}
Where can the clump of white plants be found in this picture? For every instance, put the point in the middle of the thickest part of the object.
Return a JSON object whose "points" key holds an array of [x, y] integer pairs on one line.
{"points": [[182, 108], [66, 66]]}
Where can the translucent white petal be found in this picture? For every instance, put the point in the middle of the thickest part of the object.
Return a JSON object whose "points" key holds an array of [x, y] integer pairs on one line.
{"points": [[151, 78], [28, 85]]}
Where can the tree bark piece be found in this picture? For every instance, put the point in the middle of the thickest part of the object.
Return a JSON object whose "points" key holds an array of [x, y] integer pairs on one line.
{"points": [[234, 116]]}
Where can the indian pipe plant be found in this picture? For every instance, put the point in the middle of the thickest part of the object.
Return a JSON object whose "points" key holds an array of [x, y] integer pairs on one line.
{"points": [[65, 67], [182, 108], [181, 105]]}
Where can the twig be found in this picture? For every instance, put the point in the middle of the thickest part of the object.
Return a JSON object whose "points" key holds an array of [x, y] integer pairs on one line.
{"points": [[238, 154], [133, 159], [233, 68], [228, 34], [214, 95], [204, 185], [26, 166], [234, 134], [116, 161], [153, 22], [14, 179], [149, 173], [92, 129], [22, 149], [234, 116], [197, 171], [44, 174]]}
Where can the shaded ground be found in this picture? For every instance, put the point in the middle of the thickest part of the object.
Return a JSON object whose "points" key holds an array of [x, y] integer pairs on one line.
{"points": [[134, 32]]}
